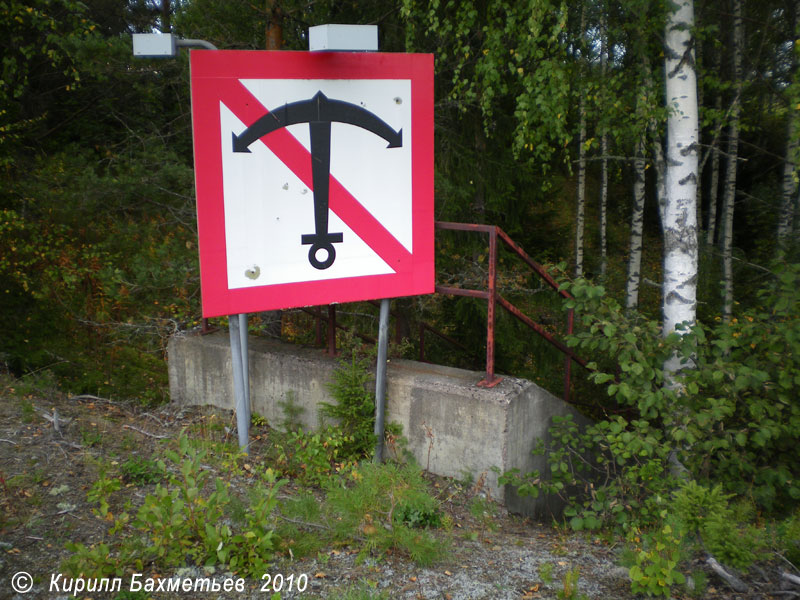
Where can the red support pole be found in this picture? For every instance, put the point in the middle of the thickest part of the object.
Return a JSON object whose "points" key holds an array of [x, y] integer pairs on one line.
{"points": [[491, 380]]}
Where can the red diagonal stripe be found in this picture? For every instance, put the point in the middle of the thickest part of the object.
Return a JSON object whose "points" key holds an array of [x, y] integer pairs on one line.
{"points": [[295, 156]]}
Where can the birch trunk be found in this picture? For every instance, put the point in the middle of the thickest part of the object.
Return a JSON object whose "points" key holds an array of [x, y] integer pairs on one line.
{"points": [[786, 216], [637, 225], [680, 213], [580, 209], [604, 164], [580, 213], [730, 171], [789, 197]]}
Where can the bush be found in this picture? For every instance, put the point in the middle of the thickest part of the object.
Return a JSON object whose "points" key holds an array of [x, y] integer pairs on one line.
{"points": [[672, 448]]}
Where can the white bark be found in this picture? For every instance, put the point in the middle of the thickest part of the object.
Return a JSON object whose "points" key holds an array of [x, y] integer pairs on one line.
{"points": [[730, 171], [637, 224], [580, 209], [680, 214], [604, 152], [789, 197], [580, 216]]}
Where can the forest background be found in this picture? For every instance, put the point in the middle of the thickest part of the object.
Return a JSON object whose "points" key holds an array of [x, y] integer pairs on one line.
{"points": [[550, 123]]}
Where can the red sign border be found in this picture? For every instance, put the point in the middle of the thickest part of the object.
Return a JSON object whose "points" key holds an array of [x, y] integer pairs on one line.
{"points": [[215, 76]]}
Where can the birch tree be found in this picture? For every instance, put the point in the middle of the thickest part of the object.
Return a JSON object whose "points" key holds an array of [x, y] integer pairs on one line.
{"points": [[730, 171], [680, 214], [603, 152], [789, 195], [580, 206], [637, 226]]}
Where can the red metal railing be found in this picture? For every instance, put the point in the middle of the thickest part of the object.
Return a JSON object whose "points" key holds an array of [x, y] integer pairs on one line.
{"points": [[493, 298]]}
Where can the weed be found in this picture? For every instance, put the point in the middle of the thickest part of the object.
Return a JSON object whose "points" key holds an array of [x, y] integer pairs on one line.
{"points": [[364, 590], [569, 589], [91, 438], [485, 511], [27, 410], [546, 573], [100, 492], [181, 521], [657, 557], [141, 471], [354, 407], [369, 506], [256, 420], [291, 412]]}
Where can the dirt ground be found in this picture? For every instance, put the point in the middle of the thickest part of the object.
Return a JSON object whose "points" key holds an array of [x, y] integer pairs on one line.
{"points": [[47, 466]]}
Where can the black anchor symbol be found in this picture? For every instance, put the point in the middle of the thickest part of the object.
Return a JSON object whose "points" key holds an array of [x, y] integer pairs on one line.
{"points": [[319, 112]]}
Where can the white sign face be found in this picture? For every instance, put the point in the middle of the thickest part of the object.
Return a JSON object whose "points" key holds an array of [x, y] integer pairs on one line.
{"points": [[314, 176], [268, 208]]}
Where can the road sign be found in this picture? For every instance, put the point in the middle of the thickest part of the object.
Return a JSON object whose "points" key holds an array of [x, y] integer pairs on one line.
{"points": [[314, 176]]}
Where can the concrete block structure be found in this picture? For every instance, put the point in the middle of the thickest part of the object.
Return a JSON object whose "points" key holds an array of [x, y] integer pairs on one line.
{"points": [[453, 427]]}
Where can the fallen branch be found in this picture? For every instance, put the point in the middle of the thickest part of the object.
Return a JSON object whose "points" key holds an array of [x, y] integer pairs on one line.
{"points": [[8, 442], [790, 578], [70, 444], [305, 523], [147, 433], [736, 584], [316, 526], [155, 418]]}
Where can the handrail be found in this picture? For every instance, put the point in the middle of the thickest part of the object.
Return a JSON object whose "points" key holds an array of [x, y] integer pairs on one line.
{"points": [[493, 298]]}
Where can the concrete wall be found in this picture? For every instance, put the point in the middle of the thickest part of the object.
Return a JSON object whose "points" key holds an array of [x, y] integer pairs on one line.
{"points": [[453, 427]]}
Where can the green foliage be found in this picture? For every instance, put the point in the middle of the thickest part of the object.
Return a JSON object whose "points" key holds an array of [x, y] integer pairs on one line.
{"points": [[141, 471], [724, 532], [291, 412], [354, 407], [370, 507], [312, 456], [730, 415], [788, 538], [546, 573], [100, 491], [256, 420], [182, 521], [657, 559], [569, 586]]}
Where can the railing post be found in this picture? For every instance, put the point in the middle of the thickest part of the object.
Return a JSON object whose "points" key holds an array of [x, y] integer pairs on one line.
{"points": [[332, 329], [491, 380], [318, 325]]}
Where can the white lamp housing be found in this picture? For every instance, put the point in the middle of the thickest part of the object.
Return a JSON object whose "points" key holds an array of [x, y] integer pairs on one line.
{"points": [[353, 38], [154, 45]]}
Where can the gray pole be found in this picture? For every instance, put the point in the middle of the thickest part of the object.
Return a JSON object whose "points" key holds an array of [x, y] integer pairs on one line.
{"points": [[245, 363], [380, 379], [242, 422]]}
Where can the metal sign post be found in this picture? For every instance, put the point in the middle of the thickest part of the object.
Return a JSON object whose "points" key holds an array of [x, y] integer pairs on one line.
{"points": [[380, 379]]}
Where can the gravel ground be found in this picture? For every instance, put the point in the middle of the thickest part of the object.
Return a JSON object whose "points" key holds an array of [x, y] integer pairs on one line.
{"points": [[46, 473]]}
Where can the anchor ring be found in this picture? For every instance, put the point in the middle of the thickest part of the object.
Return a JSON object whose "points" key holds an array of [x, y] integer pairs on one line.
{"points": [[312, 255]]}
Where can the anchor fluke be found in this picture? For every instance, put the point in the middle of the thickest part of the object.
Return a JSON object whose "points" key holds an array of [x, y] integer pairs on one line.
{"points": [[240, 144]]}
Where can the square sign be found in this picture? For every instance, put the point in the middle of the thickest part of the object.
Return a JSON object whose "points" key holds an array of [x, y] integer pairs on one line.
{"points": [[314, 176]]}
